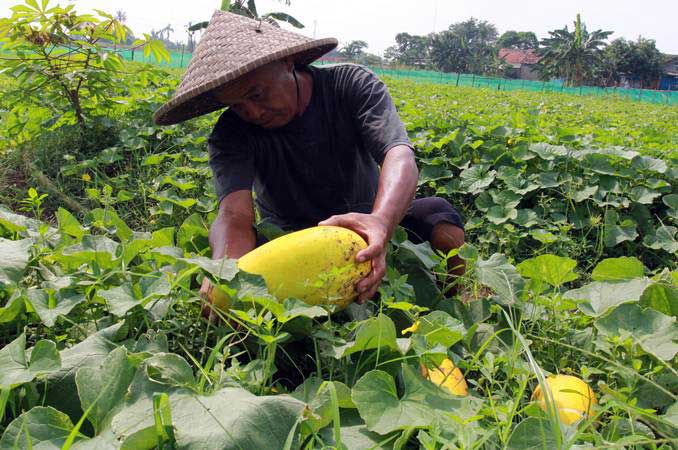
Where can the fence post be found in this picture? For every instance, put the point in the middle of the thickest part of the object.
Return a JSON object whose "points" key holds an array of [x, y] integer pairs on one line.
{"points": [[181, 64], [458, 75], [473, 80]]}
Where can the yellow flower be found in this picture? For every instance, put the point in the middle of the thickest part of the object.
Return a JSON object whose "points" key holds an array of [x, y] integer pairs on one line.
{"points": [[86, 177], [411, 329]]}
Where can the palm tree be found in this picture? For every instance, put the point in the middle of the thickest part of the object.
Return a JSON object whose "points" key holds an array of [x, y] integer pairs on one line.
{"points": [[248, 8], [572, 55]]}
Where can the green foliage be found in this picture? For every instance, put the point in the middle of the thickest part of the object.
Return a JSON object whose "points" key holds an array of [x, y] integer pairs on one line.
{"points": [[571, 270], [60, 59], [632, 59], [410, 50], [572, 55], [467, 47], [523, 40]]}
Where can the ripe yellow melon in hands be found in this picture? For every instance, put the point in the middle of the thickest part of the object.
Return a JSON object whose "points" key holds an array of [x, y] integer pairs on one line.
{"points": [[316, 265], [572, 396], [447, 376]]}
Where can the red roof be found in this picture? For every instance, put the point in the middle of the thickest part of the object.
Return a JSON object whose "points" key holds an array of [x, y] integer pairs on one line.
{"points": [[517, 57]]}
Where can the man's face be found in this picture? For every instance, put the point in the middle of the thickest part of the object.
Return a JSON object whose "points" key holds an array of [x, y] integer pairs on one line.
{"points": [[266, 97]]}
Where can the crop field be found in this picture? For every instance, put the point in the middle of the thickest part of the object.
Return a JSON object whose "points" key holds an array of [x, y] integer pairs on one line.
{"points": [[570, 206]]}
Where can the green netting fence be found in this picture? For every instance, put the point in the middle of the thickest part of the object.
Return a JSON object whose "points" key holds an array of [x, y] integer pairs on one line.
{"points": [[505, 84], [180, 59]]}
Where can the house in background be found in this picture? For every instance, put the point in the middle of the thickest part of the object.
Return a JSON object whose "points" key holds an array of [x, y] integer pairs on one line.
{"points": [[669, 79], [521, 63]]}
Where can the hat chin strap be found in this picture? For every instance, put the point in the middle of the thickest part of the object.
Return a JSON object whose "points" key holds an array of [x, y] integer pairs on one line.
{"points": [[296, 82]]}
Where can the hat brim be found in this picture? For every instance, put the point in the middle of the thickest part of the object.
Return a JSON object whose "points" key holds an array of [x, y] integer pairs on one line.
{"points": [[200, 100]]}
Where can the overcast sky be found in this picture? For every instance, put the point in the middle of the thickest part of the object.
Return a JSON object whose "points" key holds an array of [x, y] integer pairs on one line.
{"points": [[378, 21]]}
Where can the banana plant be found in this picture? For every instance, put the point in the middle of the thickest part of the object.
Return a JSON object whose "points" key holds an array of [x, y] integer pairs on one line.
{"points": [[248, 8]]}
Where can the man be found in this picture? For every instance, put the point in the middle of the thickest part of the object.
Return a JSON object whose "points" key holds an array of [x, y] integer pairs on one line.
{"points": [[308, 141]]}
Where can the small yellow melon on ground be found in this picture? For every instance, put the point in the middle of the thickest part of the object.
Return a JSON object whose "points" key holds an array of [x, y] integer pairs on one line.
{"points": [[447, 376], [572, 396], [316, 265]]}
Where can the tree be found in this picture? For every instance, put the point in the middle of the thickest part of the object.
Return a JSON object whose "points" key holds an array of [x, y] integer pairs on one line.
{"points": [[574, 56], [467, 46], [353, 49], [410, 50], [523, 40], [248, 8], [63, 59]]}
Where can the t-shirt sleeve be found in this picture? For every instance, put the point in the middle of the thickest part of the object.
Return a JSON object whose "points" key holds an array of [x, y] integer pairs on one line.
{"points": [[374, 113], [232, 164]]}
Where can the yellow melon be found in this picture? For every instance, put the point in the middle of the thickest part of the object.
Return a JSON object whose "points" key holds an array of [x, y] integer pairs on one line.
{"points": [[447, 376], [316, 265], [572, 396]]}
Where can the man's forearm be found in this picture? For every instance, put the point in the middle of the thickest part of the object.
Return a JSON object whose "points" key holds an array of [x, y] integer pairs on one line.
{"points": [[397, 186], [231, 237]]}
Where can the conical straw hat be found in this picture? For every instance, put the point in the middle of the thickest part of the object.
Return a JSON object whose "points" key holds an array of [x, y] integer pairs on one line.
{"points": [[231, 47]]}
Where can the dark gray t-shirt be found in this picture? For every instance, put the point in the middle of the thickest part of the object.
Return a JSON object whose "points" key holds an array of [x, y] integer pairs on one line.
{"points": [[322, 163]]}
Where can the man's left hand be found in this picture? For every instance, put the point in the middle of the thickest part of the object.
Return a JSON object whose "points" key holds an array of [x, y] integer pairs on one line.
{"points": [[375, 231]]}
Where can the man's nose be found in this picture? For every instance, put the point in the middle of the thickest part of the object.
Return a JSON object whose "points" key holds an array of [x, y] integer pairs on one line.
{"points": [[251, 111]]}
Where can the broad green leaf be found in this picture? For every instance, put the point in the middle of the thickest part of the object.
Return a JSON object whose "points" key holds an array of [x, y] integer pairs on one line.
{"points": [[16, 223], [170, 369], [439, 328], [15, 366], [355, 435], [39, 428], [375, 332], [526, 218], [533, 434], [61, 388], [502, 277], [616, 232], [15, 257], [104, 387], [664, 237], [109, 220], [615, 269], [643, 195], [122, 298], [580, 195], [671, 200], [93, 249], [69, 224], [661, 296], [552, 269], [647, 163], [422, 404], [596, 298], [421, 252], [13, 308], [221, 269], [192, 234], [229, 418], [655, 332], [476, 178], [49, 307], [499, 214], [548, 152]]}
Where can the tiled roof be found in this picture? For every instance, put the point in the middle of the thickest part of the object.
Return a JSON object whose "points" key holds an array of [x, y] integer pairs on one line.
{"points": [[518, 57]]}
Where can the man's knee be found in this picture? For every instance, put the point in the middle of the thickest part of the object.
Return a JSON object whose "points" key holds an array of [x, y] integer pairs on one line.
{"points": [[446, 236]]}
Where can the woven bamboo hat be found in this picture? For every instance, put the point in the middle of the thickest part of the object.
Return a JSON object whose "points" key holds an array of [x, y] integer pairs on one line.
{"points": [[233, 46]]}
